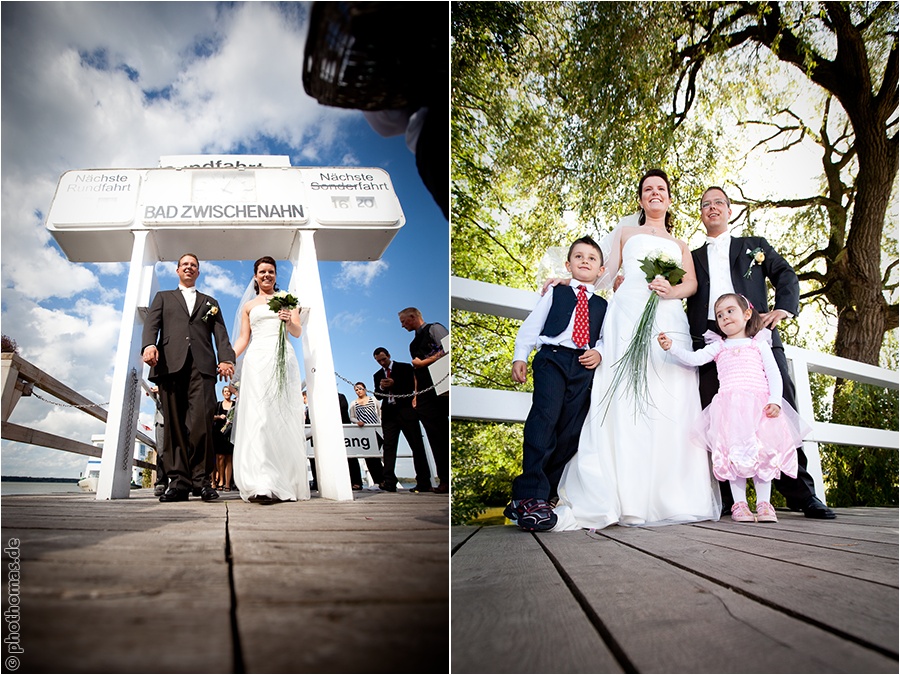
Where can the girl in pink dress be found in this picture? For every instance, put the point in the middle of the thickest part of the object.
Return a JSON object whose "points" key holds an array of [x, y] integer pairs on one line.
{"points": [[749, 430]]}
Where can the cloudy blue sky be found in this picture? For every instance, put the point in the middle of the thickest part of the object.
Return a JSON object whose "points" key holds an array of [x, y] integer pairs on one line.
{"points": [[94, 85]]}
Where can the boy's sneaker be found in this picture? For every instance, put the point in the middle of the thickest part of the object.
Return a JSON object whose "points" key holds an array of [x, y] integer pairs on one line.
{"points": [[741, 513], [765, 513], [531, 514]]}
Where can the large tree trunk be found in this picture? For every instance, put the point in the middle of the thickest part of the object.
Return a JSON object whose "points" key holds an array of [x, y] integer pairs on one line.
{"points": [[863, 313]]}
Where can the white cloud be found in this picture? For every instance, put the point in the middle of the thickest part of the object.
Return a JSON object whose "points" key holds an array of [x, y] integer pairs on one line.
{"points": [[74, 80], [111, 269], [347, 322], [217, 281], [360, 274]]}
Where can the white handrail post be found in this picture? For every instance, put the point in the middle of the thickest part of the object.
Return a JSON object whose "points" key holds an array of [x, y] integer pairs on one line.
{"points": [[124, 398], [332, 472], [799, 367]]}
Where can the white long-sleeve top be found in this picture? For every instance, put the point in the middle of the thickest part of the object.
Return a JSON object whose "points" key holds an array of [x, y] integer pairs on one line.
{"points": [[710, 351], [529, 336]]}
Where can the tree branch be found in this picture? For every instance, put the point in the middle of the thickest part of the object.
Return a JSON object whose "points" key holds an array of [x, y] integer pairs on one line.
{"points": [[819, 200], [496, 241], [887, 274], [888, 96]]}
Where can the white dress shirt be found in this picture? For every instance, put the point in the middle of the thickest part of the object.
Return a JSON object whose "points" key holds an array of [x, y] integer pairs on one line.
{"points": [[190, 296], [529, 336], [717, 253]]}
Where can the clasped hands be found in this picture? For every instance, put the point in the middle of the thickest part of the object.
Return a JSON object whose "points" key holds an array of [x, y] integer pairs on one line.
{"points": [[225, 370], [151, 358]]}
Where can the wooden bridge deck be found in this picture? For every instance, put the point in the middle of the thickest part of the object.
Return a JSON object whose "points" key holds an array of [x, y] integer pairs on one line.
{"points": [[228, 587], [799, 596]]}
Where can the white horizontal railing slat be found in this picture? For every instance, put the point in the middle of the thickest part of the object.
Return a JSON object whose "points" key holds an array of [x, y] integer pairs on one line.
{"points": [[491, 299], [837, 366], [489, 405]]}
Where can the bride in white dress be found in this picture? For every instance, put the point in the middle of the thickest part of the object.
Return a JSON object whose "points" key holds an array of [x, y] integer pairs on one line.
{"points": [[639, 466], [269, 438]]}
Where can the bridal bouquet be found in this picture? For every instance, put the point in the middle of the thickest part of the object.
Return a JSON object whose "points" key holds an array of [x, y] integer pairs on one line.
{"points": [[229, 420], [632, 367], [281, 300]]}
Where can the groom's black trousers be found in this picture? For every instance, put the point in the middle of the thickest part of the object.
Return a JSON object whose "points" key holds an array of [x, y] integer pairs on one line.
{"points": [[189, 403], [559, 406], [796, 491]]}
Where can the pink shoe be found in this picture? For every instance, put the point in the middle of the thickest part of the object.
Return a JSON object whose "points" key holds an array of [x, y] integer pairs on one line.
{"points": [[741, 513], [765, 513]]}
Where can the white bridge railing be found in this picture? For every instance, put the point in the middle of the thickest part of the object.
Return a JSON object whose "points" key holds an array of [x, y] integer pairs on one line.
{"points": [[494, 405]]}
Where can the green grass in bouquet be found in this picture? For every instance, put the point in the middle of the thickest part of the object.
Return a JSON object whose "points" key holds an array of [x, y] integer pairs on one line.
{"points": [[281, 300], [631, 369]]}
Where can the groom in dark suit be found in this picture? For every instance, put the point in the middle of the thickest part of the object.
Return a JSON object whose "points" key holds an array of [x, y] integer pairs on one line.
{"points": [[178, 346], [395, 383], [727, 264]]}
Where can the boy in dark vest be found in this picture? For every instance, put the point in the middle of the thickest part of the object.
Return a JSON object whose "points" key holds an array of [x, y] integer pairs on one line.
{"points": [[564, 327]]}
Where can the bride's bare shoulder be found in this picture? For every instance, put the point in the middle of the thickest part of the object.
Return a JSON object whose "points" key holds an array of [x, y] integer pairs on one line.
{"points": [[252, 303]]}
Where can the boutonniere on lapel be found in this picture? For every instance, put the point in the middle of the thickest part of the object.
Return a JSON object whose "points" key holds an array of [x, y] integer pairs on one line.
{"points": [[757, 257], [212, 311]]}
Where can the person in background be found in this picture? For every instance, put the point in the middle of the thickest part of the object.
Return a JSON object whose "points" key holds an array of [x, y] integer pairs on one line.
{"points": [[395, 383], [433, 409], [222, 439], [159, 424], [365, 410], [352, 463]]}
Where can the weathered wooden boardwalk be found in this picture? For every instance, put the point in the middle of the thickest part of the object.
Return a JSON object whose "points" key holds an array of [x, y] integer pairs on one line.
{"points": [[229, 587], [799, 596]]}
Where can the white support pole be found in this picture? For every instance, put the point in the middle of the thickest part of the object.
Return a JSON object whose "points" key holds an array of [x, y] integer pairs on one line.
{"points": [[124, 399], [332, 472], [803, 397]]}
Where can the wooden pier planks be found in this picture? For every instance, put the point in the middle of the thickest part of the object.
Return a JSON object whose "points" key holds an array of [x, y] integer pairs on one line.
{"points": [[797, 596], [319, 586]]}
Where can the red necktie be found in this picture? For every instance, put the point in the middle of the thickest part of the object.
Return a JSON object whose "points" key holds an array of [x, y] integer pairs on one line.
{"points": [[582, 320]]}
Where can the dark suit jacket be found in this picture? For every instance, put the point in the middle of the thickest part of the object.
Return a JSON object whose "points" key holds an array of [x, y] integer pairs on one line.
{"points": [[774, 268], [174, 333], [404, 375]]}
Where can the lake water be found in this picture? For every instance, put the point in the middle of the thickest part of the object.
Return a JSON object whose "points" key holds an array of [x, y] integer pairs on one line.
{"points": [[404, 467], [8, 487]]}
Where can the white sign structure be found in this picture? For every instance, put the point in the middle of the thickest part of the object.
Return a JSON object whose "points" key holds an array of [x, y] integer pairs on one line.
{"points": [[358, 441], [95, 212], [225, 208]]}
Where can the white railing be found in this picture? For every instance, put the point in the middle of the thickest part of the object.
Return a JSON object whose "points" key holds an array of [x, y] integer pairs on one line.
{"points": [[494, 405]]}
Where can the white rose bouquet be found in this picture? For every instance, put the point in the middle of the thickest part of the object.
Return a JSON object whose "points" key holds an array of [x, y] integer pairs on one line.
{"points": [[632, 367]]}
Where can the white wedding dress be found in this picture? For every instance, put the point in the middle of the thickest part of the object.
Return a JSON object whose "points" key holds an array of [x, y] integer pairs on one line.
{"points": [[640, 469], [269, 438]]}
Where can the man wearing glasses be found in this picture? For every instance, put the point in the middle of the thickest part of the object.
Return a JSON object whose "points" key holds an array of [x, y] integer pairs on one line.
{"points": [[178, 346], [727, 264]]}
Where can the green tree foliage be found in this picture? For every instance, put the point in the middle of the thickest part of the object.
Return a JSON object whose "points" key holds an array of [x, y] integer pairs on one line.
{"points": [[857, 476], [559, 107], [850, 51], [486, 458]]}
